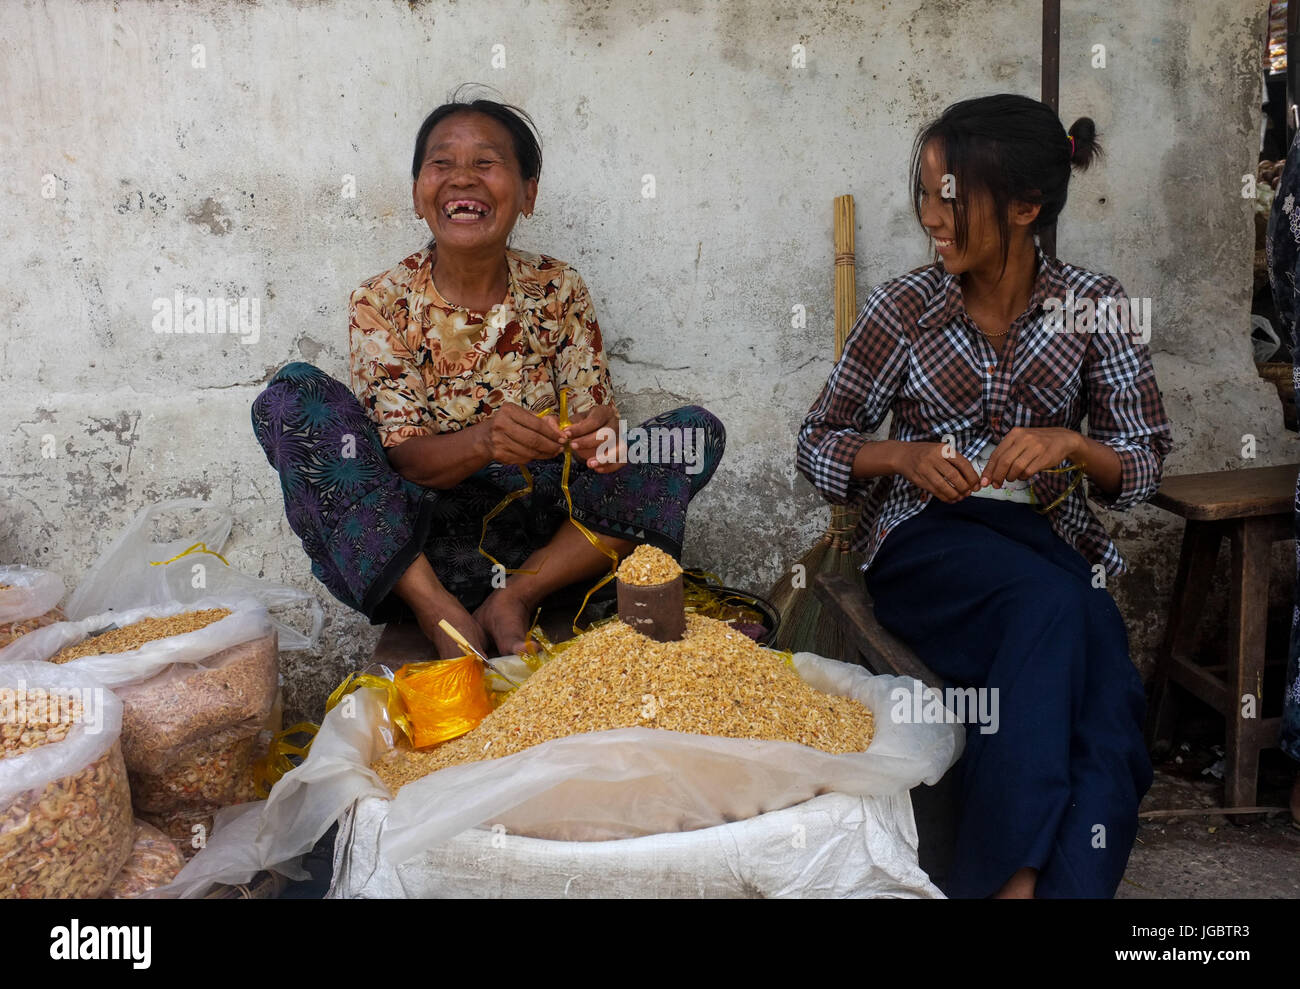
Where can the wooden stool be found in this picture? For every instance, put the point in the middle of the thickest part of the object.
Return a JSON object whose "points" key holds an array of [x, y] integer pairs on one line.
{"points": [[1251, 509], [847, 604]]}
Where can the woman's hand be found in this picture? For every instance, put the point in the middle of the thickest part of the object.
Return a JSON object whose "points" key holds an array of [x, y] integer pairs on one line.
{"points": [[1024, 451], [513, 435], [946, 475], [585, 438]]}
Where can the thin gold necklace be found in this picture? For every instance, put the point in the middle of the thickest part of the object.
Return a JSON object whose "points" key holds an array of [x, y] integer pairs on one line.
{"points": [[991, 336]]}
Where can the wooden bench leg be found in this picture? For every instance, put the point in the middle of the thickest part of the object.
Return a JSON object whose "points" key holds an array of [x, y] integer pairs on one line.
{"points": [[1248, 610], [1195, 568]]}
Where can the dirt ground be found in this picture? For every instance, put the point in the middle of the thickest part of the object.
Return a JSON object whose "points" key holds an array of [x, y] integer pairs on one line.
{"points": [[1208, 856]]}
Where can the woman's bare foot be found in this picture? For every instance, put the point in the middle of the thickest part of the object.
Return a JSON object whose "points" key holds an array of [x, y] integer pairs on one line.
{"points": [[460, 619], [1020, 886], [424, 594], [504, 617]]}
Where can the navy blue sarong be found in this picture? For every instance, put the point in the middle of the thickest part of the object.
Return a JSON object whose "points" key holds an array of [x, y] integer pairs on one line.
{"points": [[988, 596]]}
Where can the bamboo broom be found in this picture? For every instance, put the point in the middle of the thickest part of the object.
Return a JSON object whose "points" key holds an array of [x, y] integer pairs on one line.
{"points": [[802, 624]]}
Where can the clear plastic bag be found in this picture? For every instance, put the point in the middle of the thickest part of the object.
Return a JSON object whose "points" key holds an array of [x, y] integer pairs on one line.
{"points": [[26, 592], [13, 631], [218, 680], [212, 773], [210, 704], [155, 860], [135, 571], [65, 808], [188, 829]]}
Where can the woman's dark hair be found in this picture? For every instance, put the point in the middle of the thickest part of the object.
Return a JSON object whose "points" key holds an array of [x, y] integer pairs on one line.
{"points": [[1014, 149], [523, 132]]}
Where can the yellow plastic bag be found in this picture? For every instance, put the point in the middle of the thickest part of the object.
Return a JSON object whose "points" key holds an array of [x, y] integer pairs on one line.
{"points": [[444, 699]]}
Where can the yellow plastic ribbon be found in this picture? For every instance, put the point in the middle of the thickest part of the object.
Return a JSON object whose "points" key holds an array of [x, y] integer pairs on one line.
{"points": [[592, 538], [702, 599], [268, 770], [1074, 484], [196, 548], [393, 700], [527, 489]]}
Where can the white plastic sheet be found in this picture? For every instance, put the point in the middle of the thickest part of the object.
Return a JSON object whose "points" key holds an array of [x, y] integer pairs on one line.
{"points": [[629, 781], [29, 593], [830, 846], [133, 572]]}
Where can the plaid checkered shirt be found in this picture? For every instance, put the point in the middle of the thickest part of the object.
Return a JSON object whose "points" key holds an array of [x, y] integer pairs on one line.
{"points": [[915, 352]]}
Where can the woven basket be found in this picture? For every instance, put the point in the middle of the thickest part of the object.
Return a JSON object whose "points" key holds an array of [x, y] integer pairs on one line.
{"points": [[264, 886]]}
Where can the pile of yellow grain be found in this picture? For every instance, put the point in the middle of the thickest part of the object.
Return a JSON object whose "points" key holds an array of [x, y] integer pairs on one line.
{"points": [[136, 634], [715, 681], [647, 566]]}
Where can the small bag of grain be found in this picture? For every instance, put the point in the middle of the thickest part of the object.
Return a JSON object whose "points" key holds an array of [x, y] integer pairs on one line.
{"points": [[154, 862], [210, 773], [28, 599], [189, 830], [65, 807], [195, 681]]}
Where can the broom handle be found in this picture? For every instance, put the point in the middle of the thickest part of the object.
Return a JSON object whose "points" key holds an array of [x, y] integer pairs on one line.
{"points": [[846, 309], [846, 292]]}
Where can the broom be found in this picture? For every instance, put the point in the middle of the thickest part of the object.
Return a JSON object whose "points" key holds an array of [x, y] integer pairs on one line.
{"points": [[803, 627]]}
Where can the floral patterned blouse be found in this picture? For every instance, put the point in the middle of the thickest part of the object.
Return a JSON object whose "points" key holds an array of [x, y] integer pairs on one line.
{"points": [[421, 365]]}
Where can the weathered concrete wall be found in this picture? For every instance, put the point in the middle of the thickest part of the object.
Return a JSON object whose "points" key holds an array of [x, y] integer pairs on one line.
{"points": [[229, 180]]}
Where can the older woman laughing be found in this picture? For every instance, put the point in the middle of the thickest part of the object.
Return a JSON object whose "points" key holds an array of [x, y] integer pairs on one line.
{"points": [[459, 355]]}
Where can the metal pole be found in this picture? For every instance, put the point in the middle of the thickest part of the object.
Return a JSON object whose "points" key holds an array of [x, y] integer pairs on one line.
{"points": [[1292, 69], [1051, 83]]}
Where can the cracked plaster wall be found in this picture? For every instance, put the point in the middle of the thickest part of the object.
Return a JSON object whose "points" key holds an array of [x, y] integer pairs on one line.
{"points": [[225, 181]]}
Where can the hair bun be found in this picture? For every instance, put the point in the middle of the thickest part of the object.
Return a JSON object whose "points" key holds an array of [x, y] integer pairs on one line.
{"points": [[1087, 148]]}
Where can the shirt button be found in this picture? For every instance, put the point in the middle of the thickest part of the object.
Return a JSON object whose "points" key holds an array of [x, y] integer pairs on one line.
{"points": [[990, 368], [997, 422]]}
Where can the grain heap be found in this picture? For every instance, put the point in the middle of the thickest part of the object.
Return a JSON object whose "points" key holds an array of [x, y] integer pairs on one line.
{"points": [[647, 566], [715, 681], [136, 634], [70, 837]]}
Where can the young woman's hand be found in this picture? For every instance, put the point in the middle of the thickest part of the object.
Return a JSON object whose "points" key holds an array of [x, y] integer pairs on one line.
{"points": [[1024, 451], [585, 438], [513, 435], [948, 478]]}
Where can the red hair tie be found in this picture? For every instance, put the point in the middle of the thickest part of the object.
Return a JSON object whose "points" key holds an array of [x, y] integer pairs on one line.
{"points": [[1071, 139]]}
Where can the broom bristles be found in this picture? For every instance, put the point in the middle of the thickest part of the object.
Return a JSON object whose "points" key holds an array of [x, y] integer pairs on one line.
{"points": [[805, 627], [783, 593]]}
